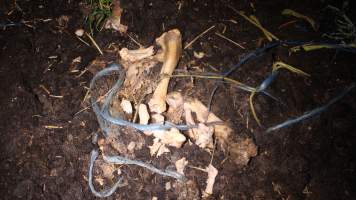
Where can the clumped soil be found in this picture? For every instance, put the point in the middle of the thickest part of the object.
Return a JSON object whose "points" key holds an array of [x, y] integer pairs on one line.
{"points": [[45, 143]]}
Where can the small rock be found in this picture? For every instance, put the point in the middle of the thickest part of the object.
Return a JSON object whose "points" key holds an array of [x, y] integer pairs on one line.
{"points": [[168, 186], [79, 32], [199, 55]]}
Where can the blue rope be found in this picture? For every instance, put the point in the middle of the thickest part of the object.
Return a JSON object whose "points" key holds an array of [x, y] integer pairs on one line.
{"points": [[312, 113], [103, 115]]}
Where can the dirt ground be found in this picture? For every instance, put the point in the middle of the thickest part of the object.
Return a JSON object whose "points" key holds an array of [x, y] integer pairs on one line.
{"points": [[311, 160]]}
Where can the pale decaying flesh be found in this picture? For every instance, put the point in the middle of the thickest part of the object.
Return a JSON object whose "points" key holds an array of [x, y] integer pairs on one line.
{"points": [[204, 136], [175, 100], [171, 44], [212, 173], [136, 78], [137, 64], [175, 107], [181, 164], [221, 131]]}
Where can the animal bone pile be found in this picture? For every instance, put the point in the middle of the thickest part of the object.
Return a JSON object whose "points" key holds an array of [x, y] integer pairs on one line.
{"points": [[136, 63], [162, 107]]}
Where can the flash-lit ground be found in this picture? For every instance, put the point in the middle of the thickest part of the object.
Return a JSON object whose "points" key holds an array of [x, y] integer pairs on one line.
{"points": [[46, 128]]}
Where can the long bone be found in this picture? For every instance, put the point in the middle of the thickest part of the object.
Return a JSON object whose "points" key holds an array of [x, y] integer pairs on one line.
{"points": [[171, 44]]}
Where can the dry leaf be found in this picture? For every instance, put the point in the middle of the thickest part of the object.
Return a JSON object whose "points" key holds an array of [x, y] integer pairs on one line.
{"points": [[242, 151]]}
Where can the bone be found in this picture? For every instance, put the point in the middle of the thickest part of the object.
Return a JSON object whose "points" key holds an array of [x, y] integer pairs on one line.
{"points": [[173, 138], [114, 22], [212, 173], [181, 164], [156, 118], [158, 148], [171, 44], [135, 55], [221, 131], [143, 114], [126, 106]]}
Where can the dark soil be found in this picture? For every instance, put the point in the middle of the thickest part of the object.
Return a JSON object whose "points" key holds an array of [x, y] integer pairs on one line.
{"points": [[311, 160]]}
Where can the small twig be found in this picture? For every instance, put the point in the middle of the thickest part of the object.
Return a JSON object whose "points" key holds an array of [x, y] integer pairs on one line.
{"points": [[197, 168], [83, 41], [218, 77], [86, 95], [253, 20], [199, 36], [49, 93], [134, 40], [99, 99], [211, 67], [212, 97], [287, 23], [212, 154], [82, 110], [137, 105], [56, 96], [52, 127], [45, 89], [81, 73], [230, 40], [253, 108], [94, 43]]}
